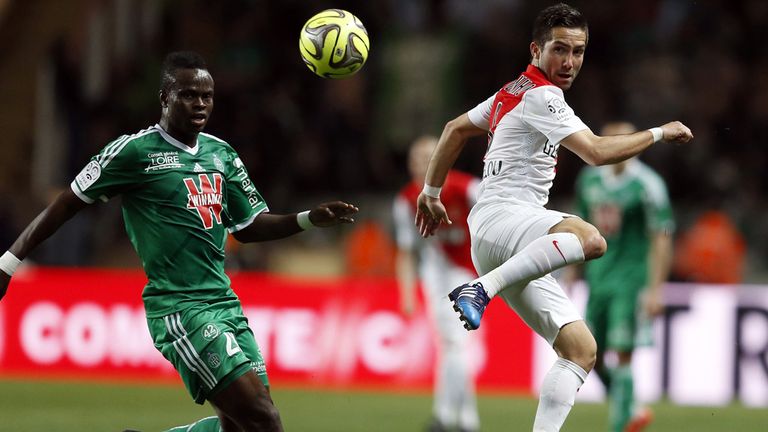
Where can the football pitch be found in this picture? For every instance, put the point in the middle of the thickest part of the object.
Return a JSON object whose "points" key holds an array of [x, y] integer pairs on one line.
{"points": [[62, 406]]}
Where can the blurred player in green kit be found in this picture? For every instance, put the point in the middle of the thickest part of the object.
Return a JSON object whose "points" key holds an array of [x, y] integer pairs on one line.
{"points": [[629, 204], [182, 192]]}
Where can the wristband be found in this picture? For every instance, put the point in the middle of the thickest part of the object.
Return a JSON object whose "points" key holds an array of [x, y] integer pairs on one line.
{"points": [[303, 220], [9, 263], [431, 191], [658, 134]]}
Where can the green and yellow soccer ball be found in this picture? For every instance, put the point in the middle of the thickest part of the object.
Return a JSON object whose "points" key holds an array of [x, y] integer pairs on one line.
{"points": [[334, 44]]}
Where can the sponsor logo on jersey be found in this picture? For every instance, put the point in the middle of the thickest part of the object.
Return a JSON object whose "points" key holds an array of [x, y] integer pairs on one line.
{"points": [[163, 160], [88, 175], [246, 184], [214, 361], [198, 168], [206, 199], [210, 332]]}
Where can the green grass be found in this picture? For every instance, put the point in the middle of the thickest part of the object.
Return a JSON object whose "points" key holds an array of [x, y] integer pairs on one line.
{"points": [[41, 406]]}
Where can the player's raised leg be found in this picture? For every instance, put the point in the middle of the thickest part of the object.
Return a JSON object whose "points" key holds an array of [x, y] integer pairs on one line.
{"points": [[570, 241]]}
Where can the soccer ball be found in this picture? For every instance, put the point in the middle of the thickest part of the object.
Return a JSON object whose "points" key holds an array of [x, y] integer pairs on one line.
{"points": [[334, 44]]}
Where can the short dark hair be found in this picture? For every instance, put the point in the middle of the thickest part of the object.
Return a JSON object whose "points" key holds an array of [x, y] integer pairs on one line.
{"points": [[558, 15], [179, 60]]}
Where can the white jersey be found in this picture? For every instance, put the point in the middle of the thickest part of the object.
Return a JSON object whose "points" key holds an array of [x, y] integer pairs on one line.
{"points": [[526, 121]]}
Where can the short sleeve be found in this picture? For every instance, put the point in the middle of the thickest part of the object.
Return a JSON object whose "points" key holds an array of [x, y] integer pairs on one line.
{"points": [[545, 109], [405, 230], [481, 114], [108, 173], [243, 202]]}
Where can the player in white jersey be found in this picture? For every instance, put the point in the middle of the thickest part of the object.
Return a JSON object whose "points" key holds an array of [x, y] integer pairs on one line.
{"points": [[443, 262], [516, 241]]}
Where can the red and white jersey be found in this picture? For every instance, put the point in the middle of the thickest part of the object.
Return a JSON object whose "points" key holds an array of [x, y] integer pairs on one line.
{"points": [[451, 244], [526, 120]]}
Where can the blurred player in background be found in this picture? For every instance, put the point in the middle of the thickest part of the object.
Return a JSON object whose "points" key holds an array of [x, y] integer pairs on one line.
{"points": [[516, 241], [182, 190], [443, 262], [629, 204]]}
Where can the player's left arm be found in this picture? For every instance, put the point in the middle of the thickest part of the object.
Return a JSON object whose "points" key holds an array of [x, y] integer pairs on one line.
{"points": [[604, 150], [659, 264], [268, 226]]}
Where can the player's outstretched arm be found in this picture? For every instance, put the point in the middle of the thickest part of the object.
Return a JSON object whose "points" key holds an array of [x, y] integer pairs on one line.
{"points": [[66, 205], [269, 226], [430, 212], [604, 150]]}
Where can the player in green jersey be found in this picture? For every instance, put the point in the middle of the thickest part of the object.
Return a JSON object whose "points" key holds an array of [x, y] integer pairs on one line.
{"points": [[628, 203], [182, 191]]}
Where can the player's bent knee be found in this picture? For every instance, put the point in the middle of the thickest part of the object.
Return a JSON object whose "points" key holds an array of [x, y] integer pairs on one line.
{"points": [[594, 245]]}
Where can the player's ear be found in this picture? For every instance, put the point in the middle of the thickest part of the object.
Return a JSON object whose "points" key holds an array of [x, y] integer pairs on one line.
{"points": [[535, 53], [163, 99]]}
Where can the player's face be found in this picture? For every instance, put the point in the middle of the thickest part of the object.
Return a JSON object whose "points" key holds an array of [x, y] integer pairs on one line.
{"points": [[187, 105], [561, 57]]}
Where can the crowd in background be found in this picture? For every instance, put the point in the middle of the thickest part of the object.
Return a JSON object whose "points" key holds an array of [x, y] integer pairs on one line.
{"points": [[303, 137]]}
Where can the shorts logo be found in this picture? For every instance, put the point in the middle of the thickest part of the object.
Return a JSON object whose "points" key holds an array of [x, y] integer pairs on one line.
{"points": [[88, 175], [210, 332], [213, 360]]}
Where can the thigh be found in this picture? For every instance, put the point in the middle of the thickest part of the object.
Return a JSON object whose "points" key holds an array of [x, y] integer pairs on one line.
{"points": [[596, 317], [447, 324], [500, 231], [543, 305], [622, 321]]}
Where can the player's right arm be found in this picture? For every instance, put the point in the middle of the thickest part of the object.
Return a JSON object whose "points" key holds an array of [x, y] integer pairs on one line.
{"points": [[430, 211], [604, 150], [66, 205]]}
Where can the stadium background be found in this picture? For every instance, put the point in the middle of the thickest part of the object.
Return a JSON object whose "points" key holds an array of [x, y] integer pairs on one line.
{"points": [[76, 74]]}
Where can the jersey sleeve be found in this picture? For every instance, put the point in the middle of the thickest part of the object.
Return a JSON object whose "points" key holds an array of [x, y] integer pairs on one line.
{"points": [[658, 209], [481, 114], [545, 109], [243, 202], [110, 172], [405, 230]]}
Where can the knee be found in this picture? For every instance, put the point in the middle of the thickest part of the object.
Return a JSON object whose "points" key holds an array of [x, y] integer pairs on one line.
{"points": [[593, 244], [585, 354], [261, 415]]}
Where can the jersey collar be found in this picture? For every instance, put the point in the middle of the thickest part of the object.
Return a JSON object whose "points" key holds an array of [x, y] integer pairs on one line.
{"points": [[176, 143]]}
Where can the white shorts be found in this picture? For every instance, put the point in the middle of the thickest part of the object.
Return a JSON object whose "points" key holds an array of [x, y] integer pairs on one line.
{"points": [[437, 282], [500, 230]]}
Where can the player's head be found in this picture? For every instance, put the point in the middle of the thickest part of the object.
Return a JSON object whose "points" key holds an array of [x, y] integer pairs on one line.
{"points": [[419, 155], [186, 94], [618, 128], [560, 36]]}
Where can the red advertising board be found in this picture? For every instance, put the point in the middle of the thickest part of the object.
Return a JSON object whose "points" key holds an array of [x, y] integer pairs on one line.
{"points": [[339, 332]]}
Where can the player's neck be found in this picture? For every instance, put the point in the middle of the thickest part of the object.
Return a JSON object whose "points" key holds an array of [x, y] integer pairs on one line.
{"points": [[190, 140]]}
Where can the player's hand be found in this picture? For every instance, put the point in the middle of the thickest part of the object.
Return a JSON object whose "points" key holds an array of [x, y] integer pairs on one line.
{"points": [[652, 303], [676, 132], [332, 213], [4, 281], [430, 213]]}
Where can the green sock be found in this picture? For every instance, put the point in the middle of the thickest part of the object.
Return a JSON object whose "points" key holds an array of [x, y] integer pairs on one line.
{"points": [[208, 424], [621, 398]]}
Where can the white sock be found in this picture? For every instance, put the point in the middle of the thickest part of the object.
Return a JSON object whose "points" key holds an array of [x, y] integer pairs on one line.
{"points": [[540, 257], [455, 403], [558, 393]]}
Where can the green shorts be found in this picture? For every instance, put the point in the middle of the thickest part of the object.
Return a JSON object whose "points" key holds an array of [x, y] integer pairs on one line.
{"points": [[612, 317], [209, 346]]}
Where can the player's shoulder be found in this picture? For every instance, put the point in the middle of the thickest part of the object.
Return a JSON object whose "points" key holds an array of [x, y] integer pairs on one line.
{"points": [[210, 139], [650, 180], [588, 174], [125, 143]]}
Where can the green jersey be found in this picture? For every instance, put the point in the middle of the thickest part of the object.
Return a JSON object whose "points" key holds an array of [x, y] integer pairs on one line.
{"points": [[178, 204], [626, 209]]}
